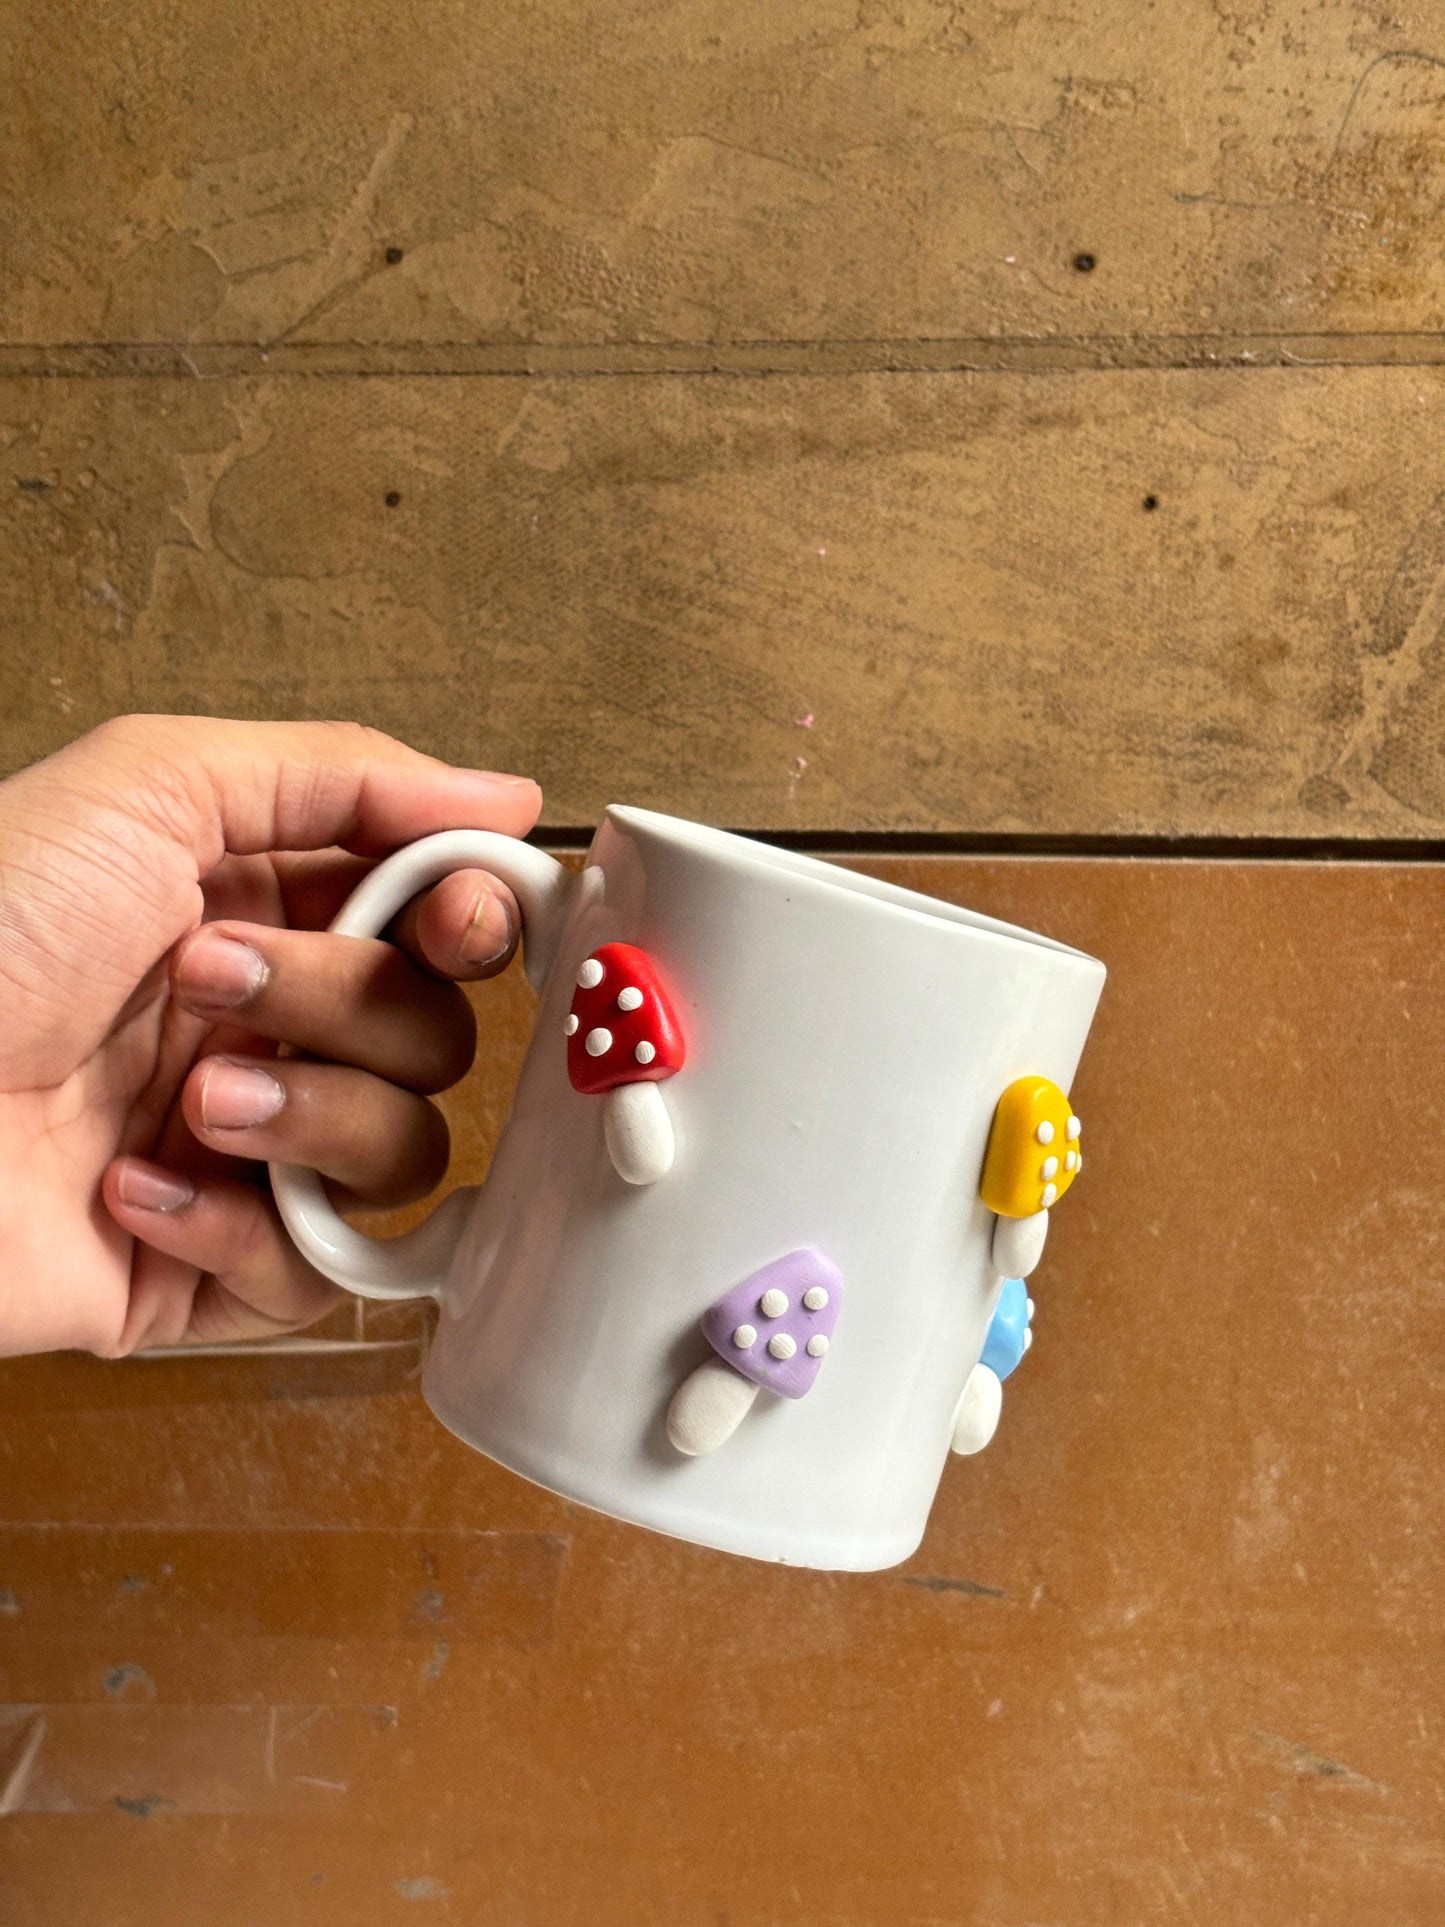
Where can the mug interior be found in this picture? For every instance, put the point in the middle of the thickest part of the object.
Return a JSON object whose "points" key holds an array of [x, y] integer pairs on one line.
{"points": [[727, 847]]}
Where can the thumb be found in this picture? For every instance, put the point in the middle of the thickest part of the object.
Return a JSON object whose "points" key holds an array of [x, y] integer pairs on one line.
{"points": [[246, 788]]}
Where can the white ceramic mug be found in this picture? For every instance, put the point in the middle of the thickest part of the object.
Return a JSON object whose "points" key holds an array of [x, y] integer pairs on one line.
{"points": [[847, 1042]]}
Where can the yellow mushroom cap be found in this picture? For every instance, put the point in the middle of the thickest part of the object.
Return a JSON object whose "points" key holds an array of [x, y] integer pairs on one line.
{"points": [[1034, 1149]]}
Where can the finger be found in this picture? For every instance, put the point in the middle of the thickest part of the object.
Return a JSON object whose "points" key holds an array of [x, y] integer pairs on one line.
{"points": [[315, 884], [464, 928], [383, 1144], [356, 1000], [247, 888], [217, 786], [217, 1264]]}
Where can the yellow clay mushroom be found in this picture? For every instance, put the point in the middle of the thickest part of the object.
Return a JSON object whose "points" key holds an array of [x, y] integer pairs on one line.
{"points": [[1034, 1151], [1034, 1154]]}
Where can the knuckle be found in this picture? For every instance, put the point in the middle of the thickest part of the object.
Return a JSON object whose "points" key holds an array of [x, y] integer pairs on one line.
{"points": [[416, 1158], [432, 1153], [135, 736], [309, 790], [156, 763], [349, 738], [251, 1244], [346, 729], [352, 745], [123, 731], [453, 1043]]}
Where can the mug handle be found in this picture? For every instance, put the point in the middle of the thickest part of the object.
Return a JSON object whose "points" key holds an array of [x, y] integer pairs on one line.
{"points": [[415, 1265]]}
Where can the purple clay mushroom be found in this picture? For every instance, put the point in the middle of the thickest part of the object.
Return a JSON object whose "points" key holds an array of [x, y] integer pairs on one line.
{"points": [[770, 1333]]}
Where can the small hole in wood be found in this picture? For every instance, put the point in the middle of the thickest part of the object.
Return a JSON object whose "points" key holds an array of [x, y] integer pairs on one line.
{"points": [[393, 498], [1084, 263], [1151, 501], [393, 255]]}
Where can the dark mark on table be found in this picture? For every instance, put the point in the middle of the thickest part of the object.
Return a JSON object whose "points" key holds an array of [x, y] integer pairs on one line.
{"points": [[128, 1674], [143, 1806], [1305, 1762], [932, 1583]]}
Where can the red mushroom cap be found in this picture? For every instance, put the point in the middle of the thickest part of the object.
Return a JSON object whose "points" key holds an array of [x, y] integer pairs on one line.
{"points": [[621, 1028]]}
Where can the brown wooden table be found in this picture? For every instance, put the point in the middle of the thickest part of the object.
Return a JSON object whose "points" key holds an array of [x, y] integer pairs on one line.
{"points": [[999, 448]]}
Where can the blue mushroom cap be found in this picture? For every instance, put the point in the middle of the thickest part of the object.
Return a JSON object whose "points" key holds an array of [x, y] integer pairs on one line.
{"points": [[1004, 1345]]}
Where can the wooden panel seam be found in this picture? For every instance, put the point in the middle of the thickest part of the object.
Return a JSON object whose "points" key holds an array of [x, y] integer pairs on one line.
{"points": [[922, 355]]}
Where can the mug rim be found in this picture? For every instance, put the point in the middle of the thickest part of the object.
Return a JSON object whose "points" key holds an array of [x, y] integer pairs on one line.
{"points": [[705, 839]]}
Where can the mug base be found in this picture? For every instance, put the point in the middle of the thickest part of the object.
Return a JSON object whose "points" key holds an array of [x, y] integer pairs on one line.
{"points": [[678, 1521]]}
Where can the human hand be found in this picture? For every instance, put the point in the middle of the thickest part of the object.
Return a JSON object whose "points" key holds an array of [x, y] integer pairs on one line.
{"points": [[164, 887]]}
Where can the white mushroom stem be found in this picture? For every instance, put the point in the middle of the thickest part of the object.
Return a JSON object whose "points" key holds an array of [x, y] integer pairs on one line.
{"points": [[1018, 1244], [639, 1133], [976, 1420], [708, 1407]]}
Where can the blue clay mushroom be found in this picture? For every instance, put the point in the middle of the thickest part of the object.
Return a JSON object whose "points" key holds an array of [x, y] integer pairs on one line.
{"points": [[1009, 1336]]}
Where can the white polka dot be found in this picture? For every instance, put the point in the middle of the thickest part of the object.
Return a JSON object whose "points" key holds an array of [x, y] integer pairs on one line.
{"points": [[629, 999], [1071, 1158], [645, 1052], [744, 1336], [817, 1345], [569, 1029], [590, 975], [1049, 1168], [1031, 1310], [773, 1303], [1028, 1339], [1045, 1132], [1051, 1191], [782, 1346], [1079, 1165], [815, 1298], [1073, 1127], [598, 1042]]}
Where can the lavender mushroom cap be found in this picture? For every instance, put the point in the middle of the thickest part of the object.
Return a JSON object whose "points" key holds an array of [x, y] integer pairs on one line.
{"points": [[796, 1278]]}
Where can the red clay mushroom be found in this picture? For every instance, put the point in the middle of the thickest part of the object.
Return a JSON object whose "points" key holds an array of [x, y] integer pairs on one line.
{"points": [[623, 1040]]}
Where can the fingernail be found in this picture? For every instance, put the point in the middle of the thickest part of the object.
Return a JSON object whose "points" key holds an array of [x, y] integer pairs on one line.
{"points": [[236, 1096], [489, 934], [218, 973], [146, 1187]]}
